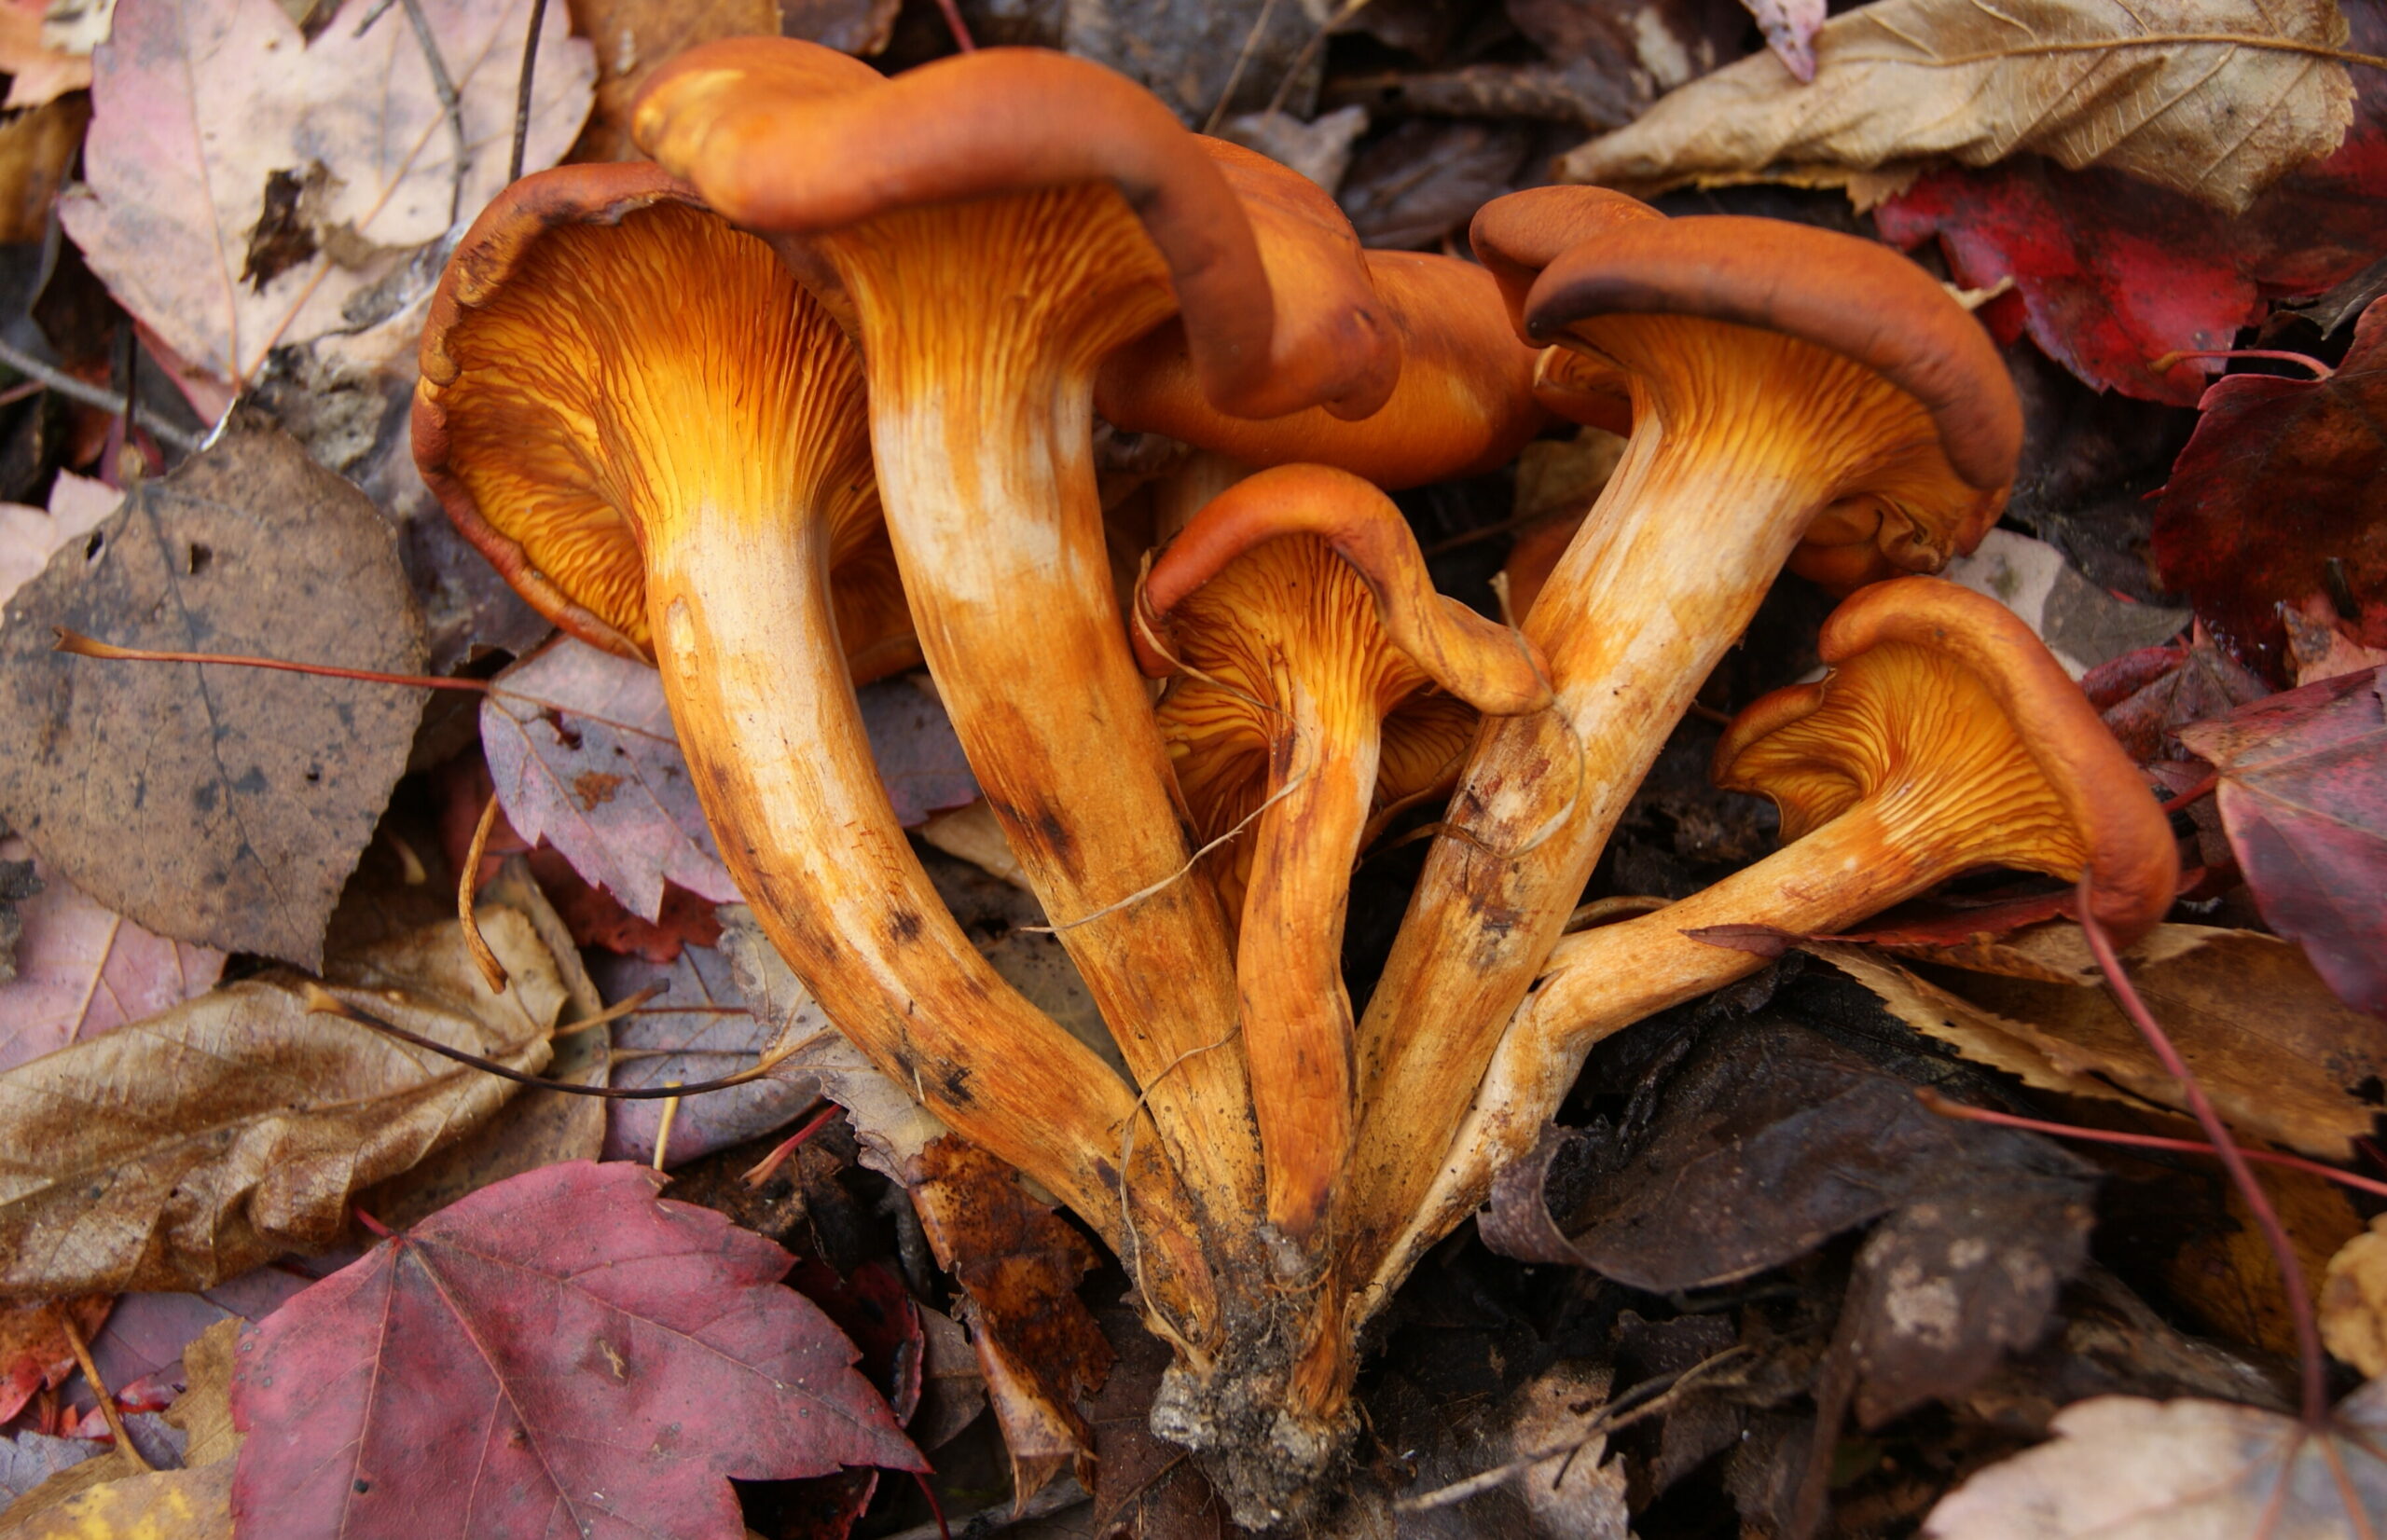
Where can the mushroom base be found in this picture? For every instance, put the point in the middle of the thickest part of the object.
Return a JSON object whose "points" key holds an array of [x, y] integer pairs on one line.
{"points": [[1250, 1418]]}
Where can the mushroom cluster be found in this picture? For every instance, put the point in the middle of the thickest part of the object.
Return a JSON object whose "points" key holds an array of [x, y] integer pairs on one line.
{"points": [[812, 397]]}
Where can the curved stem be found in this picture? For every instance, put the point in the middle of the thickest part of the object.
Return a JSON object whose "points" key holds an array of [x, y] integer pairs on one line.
{"points": [[746, 641], [2313, 1368]]}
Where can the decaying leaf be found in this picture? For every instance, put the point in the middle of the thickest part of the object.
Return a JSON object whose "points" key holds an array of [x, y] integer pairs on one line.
{"points": [[2304, 797], [1038, 1345], [564, 1349], [37, 151], [2146, 697], [2082, 624], [201, 1142], [2121, 1468], [204, 1408], [246, 185], [35, 1353], [82, 970], [632, 36], [2354, 1302], [209, 802], [2281, 1057], [2282, 478], [39, 69], [1900, 81], [188, 1505]]}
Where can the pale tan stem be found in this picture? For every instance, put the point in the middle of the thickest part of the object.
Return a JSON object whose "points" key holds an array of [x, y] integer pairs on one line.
{"points": [[1600, 981], [1288, 957], [981, 334], [745, 637]]}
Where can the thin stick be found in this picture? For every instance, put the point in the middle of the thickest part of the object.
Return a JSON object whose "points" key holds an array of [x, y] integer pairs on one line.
{"points": [[453, 105], [1309, 50], [1242, 57], [493, 972], [1141, 894], [92, 647], [613, 1013], [953, 24], [99, 1386], [2163, 364], [2314, 1369], [2212, 778], [1965, 1112], [663, 1129], [85, 394], [522, 90], [765, 1169], [324, 1002]]}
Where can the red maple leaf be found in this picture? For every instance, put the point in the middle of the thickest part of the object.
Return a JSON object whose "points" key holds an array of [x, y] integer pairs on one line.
{"points": [[2304, 797], [562, 1352], [2282, 478], [2111, 273]]}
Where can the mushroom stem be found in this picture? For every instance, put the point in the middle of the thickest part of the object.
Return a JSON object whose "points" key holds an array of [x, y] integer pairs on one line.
{"points": [[982, 325], [1288, 954], [1741, 438], [1601, 980], [743, 631]]}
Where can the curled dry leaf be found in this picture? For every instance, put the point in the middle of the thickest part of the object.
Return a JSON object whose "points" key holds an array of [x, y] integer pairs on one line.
{"points": [[229, 1130], [2281, 1057], [2304, 798], [214, 802], [2082, 624], [2121, 1468], [1900, 81], [563, 1351], [2353, 1301], [247, 185], [82, 970]]}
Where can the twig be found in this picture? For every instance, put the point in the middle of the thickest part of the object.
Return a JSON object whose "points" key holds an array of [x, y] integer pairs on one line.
{"points": [[493, 972], [90, 396], [82, 1351], [522, 90], [765, 1169], [1141, 894], [2313, 1368], [1643, 1400], [324, 1002], [1242, 57], [1963, 1112], [1309, 50], [951, 11], [663, 1129], [443, 87], [614, 1012]]}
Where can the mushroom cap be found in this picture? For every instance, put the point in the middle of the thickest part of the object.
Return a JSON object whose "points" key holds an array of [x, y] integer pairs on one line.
{"points": [[1481, 662], [1851, 296], [790, 138], [599, 337], [1517, 235], [1582, 388], [1463, 402], [1935, 684]]}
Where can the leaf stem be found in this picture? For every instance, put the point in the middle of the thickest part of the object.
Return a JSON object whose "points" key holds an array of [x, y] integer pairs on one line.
{"points": [[73, 390], [2164, 39], [2312, 1367], [522, 90]]}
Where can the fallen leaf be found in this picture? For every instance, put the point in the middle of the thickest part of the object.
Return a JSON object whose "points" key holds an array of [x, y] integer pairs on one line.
{"points": [[2226, 1279], [212, 802], [1201, 57], [918, 755], [37, 151], [564, 1348], [39, 70], [889, 1124], [2318, 645], [1319, 149], [1789, 27], [882, 1320], [859, 27], [82, 970], [2121, 1468], [1900, 81], [701, 1027], [204, 1408], [2146, 697], [147, 1334], [29, 1459], [246, 185], [2303, 795], [2354, 1302], [157, 1444], [972, 834], [1019, 1263], [2282, 480], [35, 1354], [1426, 179], [192, 1145], [2281, 1057], [632, 36], [29, 537], [1647, 49], [188, 1505], [2082, 624], [537, 1127]]}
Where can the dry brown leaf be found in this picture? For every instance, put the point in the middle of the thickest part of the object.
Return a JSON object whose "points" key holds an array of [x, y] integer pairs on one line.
{"points": [[198, 1143], [247, 185], [36, 151], [2228, 1279], [632, 36], [2353, 1301], [204, 1408], [2278, 1052], [1902, 81], [2123, 1469]]}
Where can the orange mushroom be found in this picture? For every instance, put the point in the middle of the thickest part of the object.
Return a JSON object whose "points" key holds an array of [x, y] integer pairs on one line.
{"points": [[1947, 739], [681, 481], [1309, 649], [1779, 374], [995, 224]]}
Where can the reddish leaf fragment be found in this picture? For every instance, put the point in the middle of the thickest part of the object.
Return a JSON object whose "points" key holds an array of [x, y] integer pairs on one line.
{"points": [[2281, 494], [2111, 273], [2304, 797], [2146, 696], [35, 1353], [563, 1352]]}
